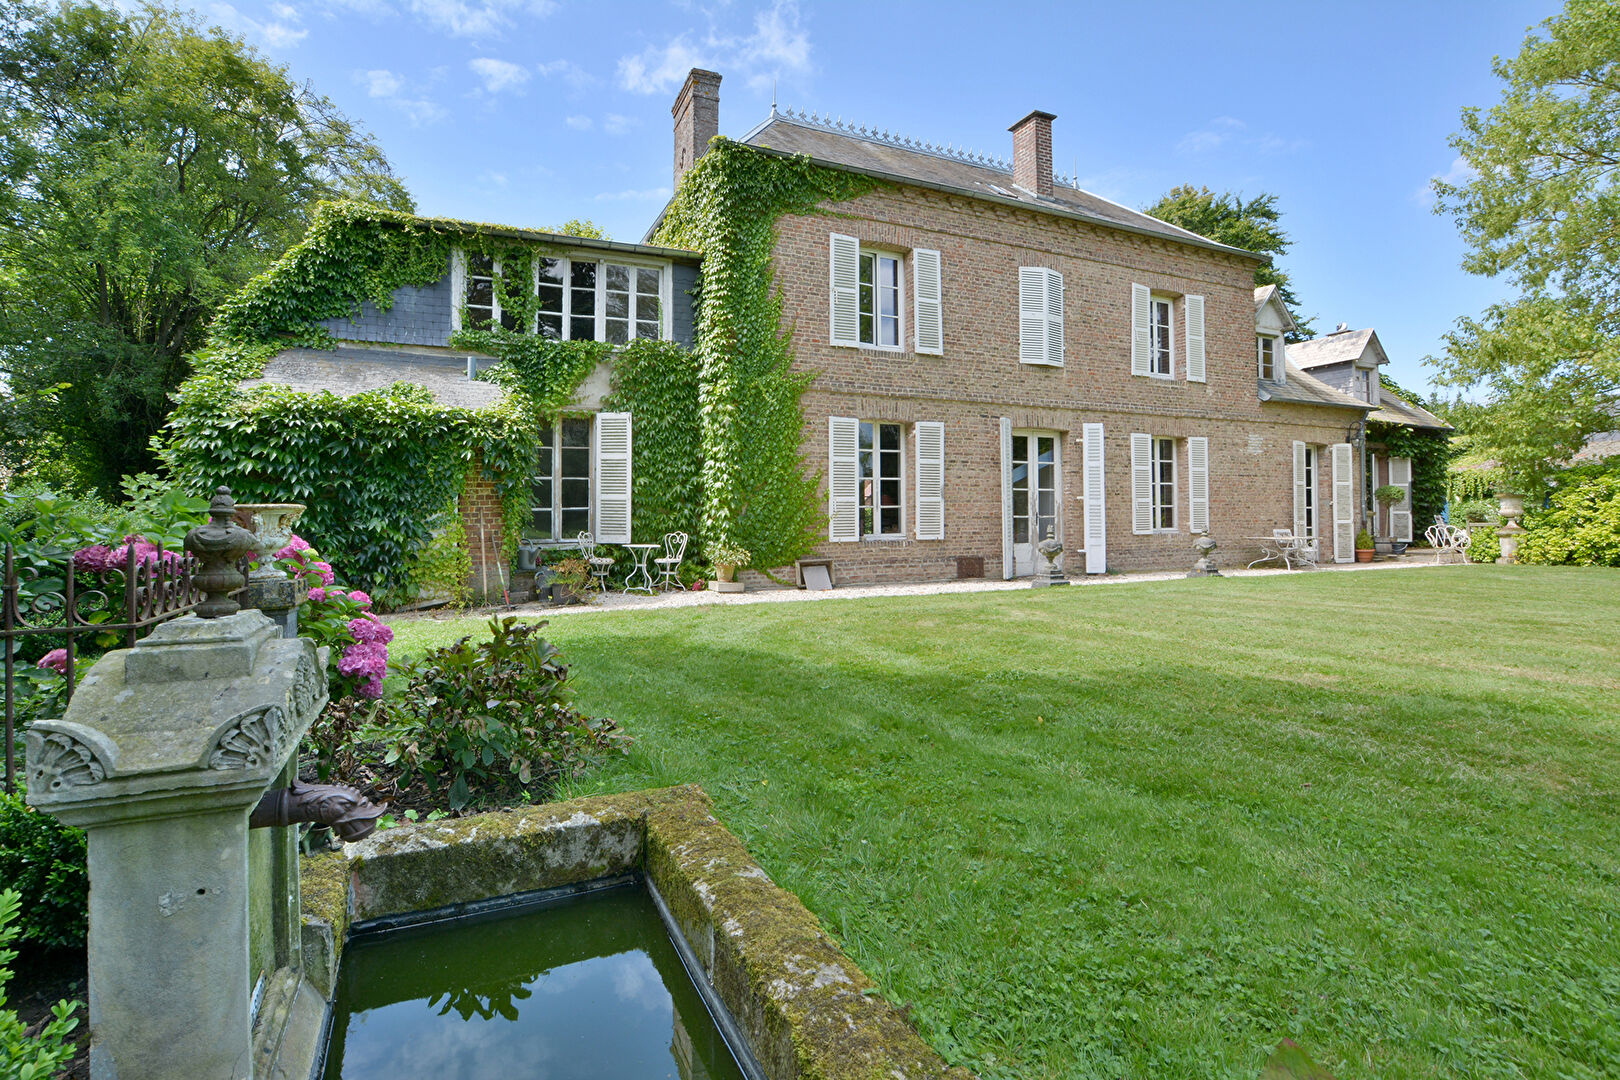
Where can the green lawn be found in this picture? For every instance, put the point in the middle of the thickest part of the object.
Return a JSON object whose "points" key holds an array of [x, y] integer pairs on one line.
{"points": [[1150, 830]]}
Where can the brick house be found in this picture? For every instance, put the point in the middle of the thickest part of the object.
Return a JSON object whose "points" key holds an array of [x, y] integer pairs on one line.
{"points": [[1348, 360], [998, 353]]}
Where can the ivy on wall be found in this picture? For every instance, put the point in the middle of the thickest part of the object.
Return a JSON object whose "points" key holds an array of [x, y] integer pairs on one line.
{"points": [[757, 494], [1430, 452]]}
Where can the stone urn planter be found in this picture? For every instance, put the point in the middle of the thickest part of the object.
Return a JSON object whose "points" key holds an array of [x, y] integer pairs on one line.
{"points": [[1511, 507], [273, 524]]}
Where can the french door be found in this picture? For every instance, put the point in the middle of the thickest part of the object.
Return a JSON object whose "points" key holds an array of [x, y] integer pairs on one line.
{"points": [[1034, 505]]}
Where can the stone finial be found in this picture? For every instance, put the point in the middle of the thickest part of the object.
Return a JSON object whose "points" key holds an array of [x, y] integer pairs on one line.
{"points": [[219, 546], [1205, 545]]}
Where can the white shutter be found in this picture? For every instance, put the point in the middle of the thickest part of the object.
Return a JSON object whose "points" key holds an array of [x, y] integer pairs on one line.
{"points": [[843, 478], [1299, 489], [458, 287], [1141, 483], [1400, 514], [1344, 504], [1032, 315], [613, 477], [1141, 330], [1195, 337], [930, 480], [1054, 318], [1198, 484], [927, 307], [1095, 511], [844, 262], [1006, 499]]}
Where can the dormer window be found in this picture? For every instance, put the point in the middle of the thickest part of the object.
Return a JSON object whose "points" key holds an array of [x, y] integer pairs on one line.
{"points": [[1366, 383], [1267, 345]]}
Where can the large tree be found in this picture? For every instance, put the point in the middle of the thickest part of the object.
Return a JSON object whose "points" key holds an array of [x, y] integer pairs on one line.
{"points": [[1252, 224], [149, 166], [1541, 209]]}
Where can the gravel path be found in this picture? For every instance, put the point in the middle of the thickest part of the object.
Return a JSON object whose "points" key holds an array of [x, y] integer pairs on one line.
{"points": [[775, 594]]}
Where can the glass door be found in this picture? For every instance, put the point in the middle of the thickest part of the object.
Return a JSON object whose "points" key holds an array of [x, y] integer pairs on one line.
{"points": [[1034, 495]]}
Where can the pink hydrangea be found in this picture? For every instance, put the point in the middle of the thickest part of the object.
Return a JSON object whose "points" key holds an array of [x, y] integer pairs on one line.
{"points": [[318, 594], [96, 558], [368, 629], [360, 598], [56, 660], [293, 547], [324, 569], [371, 688], [364, 659]]}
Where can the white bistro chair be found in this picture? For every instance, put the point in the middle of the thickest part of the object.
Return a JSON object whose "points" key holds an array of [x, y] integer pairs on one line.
{"points": [[601, 565], [669, 567]]}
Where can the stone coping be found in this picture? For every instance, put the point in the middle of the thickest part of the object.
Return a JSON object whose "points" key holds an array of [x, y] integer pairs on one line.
{"points": [[807, 1011]]}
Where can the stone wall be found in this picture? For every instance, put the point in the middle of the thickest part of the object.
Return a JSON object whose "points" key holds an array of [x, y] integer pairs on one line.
{"points": [[979, 379]]}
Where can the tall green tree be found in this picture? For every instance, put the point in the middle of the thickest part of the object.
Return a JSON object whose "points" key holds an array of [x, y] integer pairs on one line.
{"points": [[149, 166], [1541, 209], [1252, 224]]}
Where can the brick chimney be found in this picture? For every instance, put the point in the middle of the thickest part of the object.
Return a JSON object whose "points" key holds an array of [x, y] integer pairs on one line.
{"points": [[1032, 152], [697, 119]]}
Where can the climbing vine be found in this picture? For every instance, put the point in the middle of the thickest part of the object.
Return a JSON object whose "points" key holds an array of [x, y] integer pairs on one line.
{"points": [[756, 492], [1430, 452]]}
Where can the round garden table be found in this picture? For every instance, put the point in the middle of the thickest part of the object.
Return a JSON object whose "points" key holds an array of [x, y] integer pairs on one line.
{"points": [[640, 580]]}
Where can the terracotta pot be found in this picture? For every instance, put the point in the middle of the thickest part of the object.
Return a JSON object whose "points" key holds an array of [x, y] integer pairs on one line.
{"points": [[1364, 554], [726, 573]]}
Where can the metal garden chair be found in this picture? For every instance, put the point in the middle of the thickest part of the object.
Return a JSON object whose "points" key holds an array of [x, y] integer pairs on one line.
{"points": [[601, 565], [669, 567]]}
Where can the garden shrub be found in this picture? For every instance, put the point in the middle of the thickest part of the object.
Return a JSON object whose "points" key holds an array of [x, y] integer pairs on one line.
{"points": [[44, 862], [24, 1056], [486, 719], [1484, 546], [342, 620], [1581, 524]]}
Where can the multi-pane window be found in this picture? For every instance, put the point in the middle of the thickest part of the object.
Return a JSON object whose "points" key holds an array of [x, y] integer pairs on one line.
{"points": [[880, 479], [1268, 356], [561, 485], [576, 300], [1160, 326], [1310, 491], [880, 300], [1364, 384], [632, 301], [1164, 483], [483, 302]]}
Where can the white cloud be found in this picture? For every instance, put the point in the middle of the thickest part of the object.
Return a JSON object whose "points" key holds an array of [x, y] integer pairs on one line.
{"points": [[278, 33], [614, 124], [568, 72], [779, 45], [1228, 130], [578, 123], [465, 19], [498, 75], [389, 87], [1460, 173], [382, 83], [657, 194]]}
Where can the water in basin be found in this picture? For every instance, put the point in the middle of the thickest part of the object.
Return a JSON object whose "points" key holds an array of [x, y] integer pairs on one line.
{"points": [[588, 988]]}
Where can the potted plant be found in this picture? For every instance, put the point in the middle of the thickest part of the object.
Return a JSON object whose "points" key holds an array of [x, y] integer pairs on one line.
{"points": [[1389, 495], [1364, 546], [728, 559], [570, 581]]}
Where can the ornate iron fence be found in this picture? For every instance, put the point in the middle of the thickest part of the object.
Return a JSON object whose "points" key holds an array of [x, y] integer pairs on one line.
{"points": [[41, 600]]}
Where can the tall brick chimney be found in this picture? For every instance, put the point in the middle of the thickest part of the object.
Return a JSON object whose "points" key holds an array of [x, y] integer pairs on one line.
{"points": [[697, 119], [1032, 152]]}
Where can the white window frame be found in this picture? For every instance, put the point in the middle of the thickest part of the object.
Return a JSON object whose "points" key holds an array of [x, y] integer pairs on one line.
{"points": [[1261, 341], [558, 539], [877, 477], [461, 276], [1170, 331], [878, 255], [1162, 496], [1313, 508]]}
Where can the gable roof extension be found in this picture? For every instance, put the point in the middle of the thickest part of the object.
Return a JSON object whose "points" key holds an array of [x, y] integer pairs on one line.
{"points": [[1301, 388], [1338, 348], [1268, 294], [975, 176], [1394, 409]]}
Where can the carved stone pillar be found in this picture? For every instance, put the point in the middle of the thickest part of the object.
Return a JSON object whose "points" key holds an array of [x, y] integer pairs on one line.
{"points": [[161, 755]]}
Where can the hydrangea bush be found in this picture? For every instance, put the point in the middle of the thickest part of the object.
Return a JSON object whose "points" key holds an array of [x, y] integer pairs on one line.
{"points": [[341, 619]]}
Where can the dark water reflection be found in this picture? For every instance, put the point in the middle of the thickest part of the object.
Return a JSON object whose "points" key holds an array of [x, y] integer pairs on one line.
{"points": [[588, 989]]}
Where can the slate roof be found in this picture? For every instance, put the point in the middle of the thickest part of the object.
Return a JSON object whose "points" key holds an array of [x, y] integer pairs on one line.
{"points": [[1305, 389], [1598, 445], [1331, 349], [346, 372], [1394, 409], [876, 157]]}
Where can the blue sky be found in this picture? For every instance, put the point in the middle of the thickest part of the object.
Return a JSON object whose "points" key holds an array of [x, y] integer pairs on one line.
{"points": [[531, 112]]}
